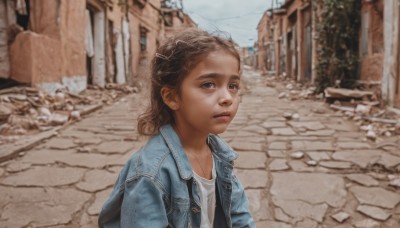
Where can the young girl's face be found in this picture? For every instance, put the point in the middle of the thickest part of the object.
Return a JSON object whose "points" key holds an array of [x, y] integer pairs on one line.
{"points": [[209, 94]]}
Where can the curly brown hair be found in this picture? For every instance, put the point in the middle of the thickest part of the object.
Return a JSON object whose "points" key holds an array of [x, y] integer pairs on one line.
{"points": [[172, 62]]}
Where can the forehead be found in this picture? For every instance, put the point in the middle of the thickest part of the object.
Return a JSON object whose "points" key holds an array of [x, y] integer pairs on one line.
{"points": [[218, 61]]}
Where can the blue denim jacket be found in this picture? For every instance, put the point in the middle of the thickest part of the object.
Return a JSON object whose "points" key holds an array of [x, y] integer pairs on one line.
{"points": [[156, 188]]}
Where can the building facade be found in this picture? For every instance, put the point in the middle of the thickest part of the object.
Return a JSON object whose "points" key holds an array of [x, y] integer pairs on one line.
{"points": [[292, 27], [46, 43]]}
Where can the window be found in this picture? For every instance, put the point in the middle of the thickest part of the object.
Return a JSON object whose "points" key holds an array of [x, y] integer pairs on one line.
{"points": [[143, 38]]}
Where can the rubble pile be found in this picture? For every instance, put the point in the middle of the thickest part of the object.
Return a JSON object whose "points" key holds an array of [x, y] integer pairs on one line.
{"points": [[25, 110], [361, 106], [366, 110], [292, 90]]}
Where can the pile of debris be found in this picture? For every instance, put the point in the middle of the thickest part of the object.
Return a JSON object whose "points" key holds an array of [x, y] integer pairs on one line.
{"points": [[292, 90], [25, 110], [364, 107]]}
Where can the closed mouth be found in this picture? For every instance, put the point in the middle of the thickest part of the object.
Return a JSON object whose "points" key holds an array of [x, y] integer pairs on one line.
{"points": [[223, 114]]}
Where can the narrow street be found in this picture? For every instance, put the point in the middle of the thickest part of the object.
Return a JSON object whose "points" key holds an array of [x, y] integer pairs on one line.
{"points": [[313, 171]]}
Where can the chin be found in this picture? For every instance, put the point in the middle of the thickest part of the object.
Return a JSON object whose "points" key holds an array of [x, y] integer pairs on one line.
{"points": [[218, 130]]}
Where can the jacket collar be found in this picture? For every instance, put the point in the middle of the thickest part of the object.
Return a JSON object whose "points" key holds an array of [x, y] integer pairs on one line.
{"points": [[218, 146]]}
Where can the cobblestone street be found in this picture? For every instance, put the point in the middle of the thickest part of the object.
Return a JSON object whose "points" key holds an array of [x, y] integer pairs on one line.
{"points": [[314, 171]]}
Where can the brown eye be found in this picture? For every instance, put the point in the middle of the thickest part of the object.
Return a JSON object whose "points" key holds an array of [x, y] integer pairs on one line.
{"points": [[208, 85], [234, 86]]}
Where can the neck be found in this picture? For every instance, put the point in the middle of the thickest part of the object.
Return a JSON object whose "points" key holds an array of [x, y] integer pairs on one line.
{"points": [[191, 140]]}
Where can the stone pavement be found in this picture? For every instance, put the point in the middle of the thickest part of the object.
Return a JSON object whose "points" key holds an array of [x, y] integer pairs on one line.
{"points": [[317, 171]]}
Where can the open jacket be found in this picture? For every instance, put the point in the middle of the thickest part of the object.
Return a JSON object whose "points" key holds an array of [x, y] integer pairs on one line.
{"points": [[156, 188]]}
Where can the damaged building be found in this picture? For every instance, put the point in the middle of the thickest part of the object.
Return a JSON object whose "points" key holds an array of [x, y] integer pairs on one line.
{"points": [[46, 43], [287, 45]]}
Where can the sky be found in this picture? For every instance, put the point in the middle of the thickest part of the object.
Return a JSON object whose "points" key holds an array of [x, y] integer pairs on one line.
{"points": [[237, 17]]}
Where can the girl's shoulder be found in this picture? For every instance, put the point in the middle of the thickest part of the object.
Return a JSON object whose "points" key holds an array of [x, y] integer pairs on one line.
{"points": [[148, 159], [221, 147]]}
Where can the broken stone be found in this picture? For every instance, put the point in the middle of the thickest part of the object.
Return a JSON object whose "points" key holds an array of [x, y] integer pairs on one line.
{"points": [[300, 209], [313, 126], [361, 158], [246, 146], [58, 119], [75, 115], [375, 196], [252, 178], [258, 204], [371, 135], [297, 155], [273, 124], [96, 180], [289, 86], [346, 93], [394, 180], [348, 110], [40, 207], [283, 131], [251, 160], [331, 188], [366, 223], [287, 115], [312, 163], [353, 145], [307, 223], [374, 212], [312, 145], [114, 147], [276, 154], [318, 156], [45, 112], [363, 109], [335, 164], [17, 167], [363, 179], [278, 165], [60, 143], [44, 176], [341, 217], [295, 116], [282, 95], [5, 111]]}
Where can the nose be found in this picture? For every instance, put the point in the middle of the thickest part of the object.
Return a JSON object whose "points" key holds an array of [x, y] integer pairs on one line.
{"points": [[225, 98]]}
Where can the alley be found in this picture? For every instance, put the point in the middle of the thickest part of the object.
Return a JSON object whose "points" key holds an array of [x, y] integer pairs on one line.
{"points": [[313, 171]]}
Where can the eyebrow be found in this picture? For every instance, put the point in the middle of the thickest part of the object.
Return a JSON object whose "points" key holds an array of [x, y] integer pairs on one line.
{"points": [[214, 75]]}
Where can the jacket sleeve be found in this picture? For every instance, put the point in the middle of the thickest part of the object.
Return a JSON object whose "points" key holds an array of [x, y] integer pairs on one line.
{"points": [[140, 204], [240, 213]]}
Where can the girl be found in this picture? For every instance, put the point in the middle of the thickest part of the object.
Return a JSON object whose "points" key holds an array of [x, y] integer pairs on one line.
{"points": [[183, 176]]}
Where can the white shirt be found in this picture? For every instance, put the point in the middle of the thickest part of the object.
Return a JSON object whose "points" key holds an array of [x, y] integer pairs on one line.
{"points": [[206, 190]]}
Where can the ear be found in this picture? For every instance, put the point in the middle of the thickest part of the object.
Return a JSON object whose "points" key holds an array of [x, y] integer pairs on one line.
{"points": [[170, 97]]}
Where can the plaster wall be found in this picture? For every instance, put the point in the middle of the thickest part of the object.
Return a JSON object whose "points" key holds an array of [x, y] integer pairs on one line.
{"points": [[371, 63]]}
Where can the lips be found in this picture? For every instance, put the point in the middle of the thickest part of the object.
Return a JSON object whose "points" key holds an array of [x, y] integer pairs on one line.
{"points": [[223, 114], [223, 117]]}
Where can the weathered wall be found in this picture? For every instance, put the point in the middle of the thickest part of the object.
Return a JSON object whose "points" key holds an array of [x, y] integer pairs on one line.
{"points": [[148, 17], [36, 54], [261, 41], [53, 50], [35, 59], [72, 17], [371, 60], [7, 18], [391, 53]]}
